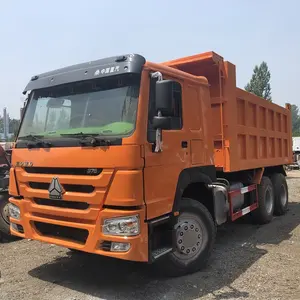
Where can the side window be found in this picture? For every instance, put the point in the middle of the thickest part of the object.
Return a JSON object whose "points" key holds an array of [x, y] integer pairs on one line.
{"points": [[177, 106], [177, 109]]}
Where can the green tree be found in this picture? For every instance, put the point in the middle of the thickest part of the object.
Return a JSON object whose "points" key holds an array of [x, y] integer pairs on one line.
{"points": [[1, 124], [260, 82], [14, 126], [295, 120]]}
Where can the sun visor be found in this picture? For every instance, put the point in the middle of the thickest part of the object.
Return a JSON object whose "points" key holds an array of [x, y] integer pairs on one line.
{"points": [[117, 65]]}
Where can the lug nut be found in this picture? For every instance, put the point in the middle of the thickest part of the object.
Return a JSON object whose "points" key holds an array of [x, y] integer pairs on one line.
{"points": [[186, 228], [188, 251], [180, 242], [182, 248], [192, 226], [199, 236], [194, 249], [198, 243], [181, 233], [197, 229]]}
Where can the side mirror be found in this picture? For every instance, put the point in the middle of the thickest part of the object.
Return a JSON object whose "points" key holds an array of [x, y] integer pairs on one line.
{"points": [[164, 96], [164, 123]]}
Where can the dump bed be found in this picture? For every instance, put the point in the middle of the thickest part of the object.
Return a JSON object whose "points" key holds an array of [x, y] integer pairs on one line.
{"points": [[249, 132]]}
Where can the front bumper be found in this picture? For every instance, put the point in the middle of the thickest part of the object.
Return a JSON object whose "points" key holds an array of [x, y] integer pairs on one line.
{"points": [[68, 228]]}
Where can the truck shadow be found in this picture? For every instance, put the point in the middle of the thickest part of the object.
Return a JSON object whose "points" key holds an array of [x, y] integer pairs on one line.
{"points": [[238, 246], [7, 239]]}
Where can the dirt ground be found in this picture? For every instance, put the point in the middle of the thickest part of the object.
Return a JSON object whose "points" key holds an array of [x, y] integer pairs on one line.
{"points": [[249, 262]]}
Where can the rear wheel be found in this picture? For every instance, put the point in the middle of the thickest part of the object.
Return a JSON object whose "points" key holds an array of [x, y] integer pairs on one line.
{"points": [[264, 213], [4, 215], [281, 195], [195, 237]]}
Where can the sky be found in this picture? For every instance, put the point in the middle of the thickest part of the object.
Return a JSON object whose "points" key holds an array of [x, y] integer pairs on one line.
{"points": [[39, 36]]}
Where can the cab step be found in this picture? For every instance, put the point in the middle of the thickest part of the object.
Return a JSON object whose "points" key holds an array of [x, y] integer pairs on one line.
{"points": [[160, 252]]}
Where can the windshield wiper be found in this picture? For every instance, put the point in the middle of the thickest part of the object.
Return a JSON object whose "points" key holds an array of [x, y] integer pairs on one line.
{"points": [[37, 139], [79, 134], [92, 139], [31, 137]]}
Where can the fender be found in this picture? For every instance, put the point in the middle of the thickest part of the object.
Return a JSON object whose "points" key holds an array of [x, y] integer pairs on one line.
{"points": [[204, 174]]}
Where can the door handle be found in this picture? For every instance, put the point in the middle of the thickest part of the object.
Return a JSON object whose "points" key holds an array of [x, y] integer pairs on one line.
{"points": [[184, 144]]}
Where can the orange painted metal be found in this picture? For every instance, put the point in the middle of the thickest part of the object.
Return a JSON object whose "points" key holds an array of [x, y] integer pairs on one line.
{"points": [[162, 170], [258, 175], [90, 222], [248, 131], [121, 186]]}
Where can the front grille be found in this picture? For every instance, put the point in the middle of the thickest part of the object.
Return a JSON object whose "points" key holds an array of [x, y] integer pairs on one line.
{"points": [[64, 171], [68, 187], [67, 233], [62, 203]]}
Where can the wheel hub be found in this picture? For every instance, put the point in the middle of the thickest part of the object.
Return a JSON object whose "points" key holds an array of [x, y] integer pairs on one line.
{"points": [[189, 237]]}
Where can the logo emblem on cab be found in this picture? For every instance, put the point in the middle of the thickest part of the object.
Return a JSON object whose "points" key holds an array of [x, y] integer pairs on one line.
{"points": [[56, 190]]}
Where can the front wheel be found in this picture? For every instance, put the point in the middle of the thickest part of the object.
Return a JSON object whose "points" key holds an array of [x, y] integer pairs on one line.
{"points": [[195, 237], [4, 215]]}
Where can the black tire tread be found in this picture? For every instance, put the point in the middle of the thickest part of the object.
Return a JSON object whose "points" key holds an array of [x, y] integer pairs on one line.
{"points": [[4, 227], [260, 215], [277, 180]]}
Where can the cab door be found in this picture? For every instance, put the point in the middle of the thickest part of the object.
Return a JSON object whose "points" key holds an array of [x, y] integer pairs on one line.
{"points": [[162, 169]]}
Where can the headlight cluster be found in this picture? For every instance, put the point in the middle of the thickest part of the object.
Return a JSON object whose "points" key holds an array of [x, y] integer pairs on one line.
{"points": [[14, 211], [124, 226]]}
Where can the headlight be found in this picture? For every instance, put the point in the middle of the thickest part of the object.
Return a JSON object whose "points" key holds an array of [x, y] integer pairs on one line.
{"points": [[14, 211], [127, 226]]}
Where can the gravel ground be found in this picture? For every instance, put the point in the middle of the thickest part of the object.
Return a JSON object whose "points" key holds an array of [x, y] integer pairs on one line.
{"points": [[249, 262]]}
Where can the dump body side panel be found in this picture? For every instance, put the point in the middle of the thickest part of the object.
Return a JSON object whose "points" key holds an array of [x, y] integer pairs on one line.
{"points": [[256, 132], [248, 132], [263, 133]]}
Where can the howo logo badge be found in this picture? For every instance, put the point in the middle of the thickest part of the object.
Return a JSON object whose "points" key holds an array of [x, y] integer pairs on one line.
{"points": [[55, 189]]}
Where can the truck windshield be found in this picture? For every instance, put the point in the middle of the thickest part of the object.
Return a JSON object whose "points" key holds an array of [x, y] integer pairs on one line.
{"points": [[106, 107]]}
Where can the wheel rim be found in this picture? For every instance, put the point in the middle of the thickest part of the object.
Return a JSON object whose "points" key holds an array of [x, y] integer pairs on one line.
{"points": [[5, 213], [191, 236], [269, 200], [283, 195]]}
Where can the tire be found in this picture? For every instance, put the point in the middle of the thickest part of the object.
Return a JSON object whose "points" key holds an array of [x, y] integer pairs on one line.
{"points": [[264, 213], [281, 194], [193, 216], [4, 218]]}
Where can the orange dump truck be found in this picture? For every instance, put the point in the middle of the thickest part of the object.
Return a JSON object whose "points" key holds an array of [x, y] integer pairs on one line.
{"points": [[140, 161]]}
